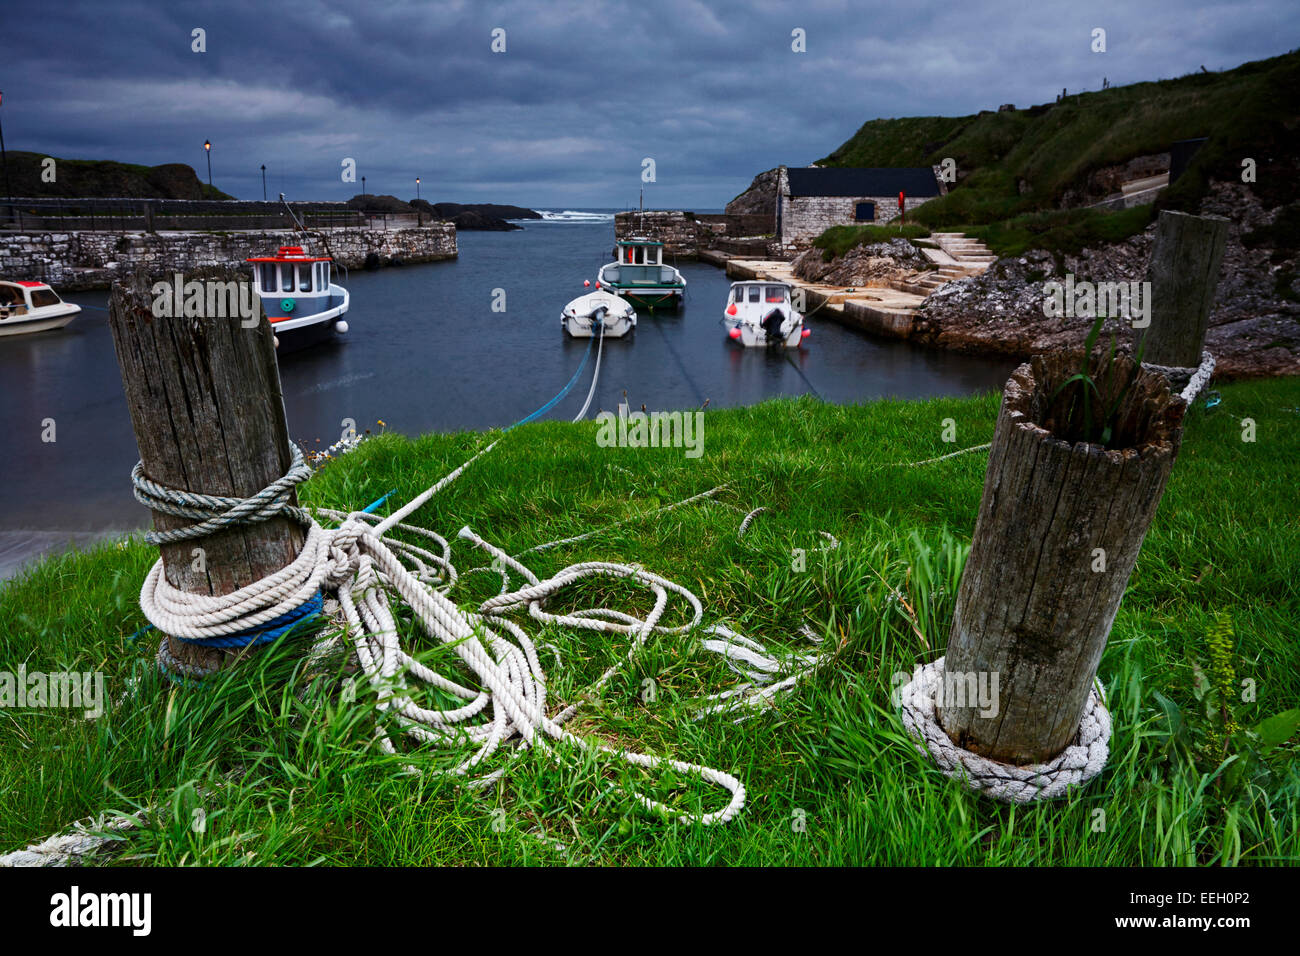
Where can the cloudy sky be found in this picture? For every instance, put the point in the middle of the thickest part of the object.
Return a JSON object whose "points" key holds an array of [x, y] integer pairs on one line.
{"points": [[583, 92]]}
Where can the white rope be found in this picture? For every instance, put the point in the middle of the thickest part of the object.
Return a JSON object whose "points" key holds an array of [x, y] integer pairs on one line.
{"points": [[1197, 378], [595, 375], [507, 697], [760, 667], [954, 454], [71, 848], [1073, 767]]}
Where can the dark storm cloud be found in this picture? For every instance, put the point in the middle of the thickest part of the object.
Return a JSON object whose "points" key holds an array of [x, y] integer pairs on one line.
{"points": [[583, 92]]}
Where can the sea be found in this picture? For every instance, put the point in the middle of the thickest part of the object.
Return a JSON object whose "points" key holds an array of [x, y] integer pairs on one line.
{"points": [[427, 351]]}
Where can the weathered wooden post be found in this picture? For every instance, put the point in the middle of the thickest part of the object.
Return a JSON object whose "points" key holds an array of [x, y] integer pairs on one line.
{"points": [[1058, 533], [208, 413], [1183, 273]]}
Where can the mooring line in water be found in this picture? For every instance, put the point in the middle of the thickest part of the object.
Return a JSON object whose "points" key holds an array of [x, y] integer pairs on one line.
{"points": [[699, 396], [564, 391], [798, 370]]}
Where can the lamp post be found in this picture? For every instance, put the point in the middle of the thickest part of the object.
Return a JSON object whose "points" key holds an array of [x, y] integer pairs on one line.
{"points": [[264, 182], [417, 187], [363, 185], [207, 151]]}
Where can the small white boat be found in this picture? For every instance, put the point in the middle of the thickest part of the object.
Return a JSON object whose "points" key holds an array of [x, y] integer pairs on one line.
{"points": [[32, 307], [760, 313], [302, 304], [581, 316]]}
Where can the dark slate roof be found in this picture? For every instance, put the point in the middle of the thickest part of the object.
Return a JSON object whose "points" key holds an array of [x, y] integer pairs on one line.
{"points": [[916, 181]]}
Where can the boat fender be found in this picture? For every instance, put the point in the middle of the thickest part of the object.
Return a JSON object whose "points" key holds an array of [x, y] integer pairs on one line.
{"points": [[286, 305], [341, 326]]}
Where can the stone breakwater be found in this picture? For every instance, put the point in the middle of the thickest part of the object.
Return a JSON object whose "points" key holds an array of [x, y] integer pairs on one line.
{"points": [[73, 261]]}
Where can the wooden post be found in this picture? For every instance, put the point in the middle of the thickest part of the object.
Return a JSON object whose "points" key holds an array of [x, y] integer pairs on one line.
{"points": [[208, 413], [1183, 273], [1059, 530]]}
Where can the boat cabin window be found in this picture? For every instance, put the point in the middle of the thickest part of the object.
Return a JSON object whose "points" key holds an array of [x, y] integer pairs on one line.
{"points": [[304, 277], [776, 293], [266, 276], [42, 297], [738, 294], [754, 293], [10, 296], [286, 277]]}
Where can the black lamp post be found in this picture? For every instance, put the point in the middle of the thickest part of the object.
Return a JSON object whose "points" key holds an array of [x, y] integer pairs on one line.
{"points": [[417, 187], [363, 185], [264, 182], [207, 150]]}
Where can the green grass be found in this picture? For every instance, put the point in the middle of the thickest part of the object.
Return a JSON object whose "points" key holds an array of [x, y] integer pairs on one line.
{"points": [[1062, 231], [1025, 160], [837, 240], [287, 773]]}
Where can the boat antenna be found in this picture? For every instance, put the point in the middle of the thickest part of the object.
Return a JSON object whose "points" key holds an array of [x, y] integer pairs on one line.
{"points": [[297, 222], [292, 214]]}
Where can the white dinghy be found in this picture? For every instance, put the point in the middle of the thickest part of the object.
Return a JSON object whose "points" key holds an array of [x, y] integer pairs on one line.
{"points": [[581, 317]]}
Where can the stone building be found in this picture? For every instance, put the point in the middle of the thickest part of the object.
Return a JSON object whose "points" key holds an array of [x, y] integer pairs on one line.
{"points": [[812, 199]]}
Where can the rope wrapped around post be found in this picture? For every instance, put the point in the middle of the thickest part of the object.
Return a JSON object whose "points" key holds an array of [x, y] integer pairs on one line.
{"points": [[1192, 380], [1073, 767]]}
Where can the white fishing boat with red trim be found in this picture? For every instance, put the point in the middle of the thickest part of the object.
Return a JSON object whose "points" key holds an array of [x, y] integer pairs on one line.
{"points": [[760, 314], [32, 307], [302, 304]]}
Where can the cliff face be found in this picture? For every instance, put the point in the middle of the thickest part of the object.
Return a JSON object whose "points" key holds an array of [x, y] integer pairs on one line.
{"points": [[93, 178], [759, 198]]}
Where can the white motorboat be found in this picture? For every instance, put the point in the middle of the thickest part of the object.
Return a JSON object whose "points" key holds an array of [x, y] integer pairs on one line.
{"points": [[760, 313], [32, 307], [581, 316]]}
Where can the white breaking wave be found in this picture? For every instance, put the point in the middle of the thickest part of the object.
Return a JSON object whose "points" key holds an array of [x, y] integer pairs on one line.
{"points": [[573, 215]]}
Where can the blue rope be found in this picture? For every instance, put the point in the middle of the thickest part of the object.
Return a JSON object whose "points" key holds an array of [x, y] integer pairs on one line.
{"points": [[272, 630], [370, 508], [564, 391]]}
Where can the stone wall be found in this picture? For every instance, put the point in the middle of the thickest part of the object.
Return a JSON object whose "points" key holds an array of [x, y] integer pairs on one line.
{"points": [[92, 260], [686, 234], [804, 218]]}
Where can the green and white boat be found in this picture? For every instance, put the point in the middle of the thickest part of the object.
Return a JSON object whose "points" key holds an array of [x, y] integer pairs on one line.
{"points": [[639, 275]]}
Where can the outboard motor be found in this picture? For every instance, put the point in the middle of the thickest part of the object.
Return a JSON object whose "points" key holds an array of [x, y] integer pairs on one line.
{"points": [[772, 323]]}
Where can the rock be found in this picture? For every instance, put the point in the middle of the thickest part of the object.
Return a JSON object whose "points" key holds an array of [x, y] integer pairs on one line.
{"points": [[862, 265], [759, 198], [1254, 330]]}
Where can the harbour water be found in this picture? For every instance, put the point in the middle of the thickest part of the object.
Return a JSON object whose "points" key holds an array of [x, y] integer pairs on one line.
{"points": [[427, 352]]}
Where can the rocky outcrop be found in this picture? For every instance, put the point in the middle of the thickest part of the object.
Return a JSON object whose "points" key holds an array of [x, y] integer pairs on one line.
{"points": [[759, 198], [877, 263], [90, 178], [1254, 327]]}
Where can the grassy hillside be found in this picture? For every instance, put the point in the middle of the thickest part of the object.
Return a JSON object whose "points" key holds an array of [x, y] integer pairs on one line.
{"points": [[287, 772], [1031, 160], [102, 178]]}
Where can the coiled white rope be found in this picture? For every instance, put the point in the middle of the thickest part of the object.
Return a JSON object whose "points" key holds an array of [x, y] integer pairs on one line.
{"points": [[365, 571], [1073, 767]]}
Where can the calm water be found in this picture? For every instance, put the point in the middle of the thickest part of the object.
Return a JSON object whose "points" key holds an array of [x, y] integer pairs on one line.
{"points": [[426, 352]]}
